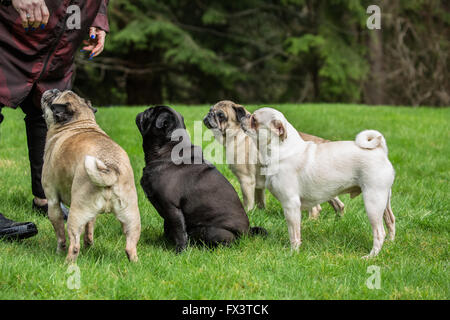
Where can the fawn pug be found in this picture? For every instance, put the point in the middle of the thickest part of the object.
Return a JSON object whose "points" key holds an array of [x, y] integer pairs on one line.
{"points": [[87, 170]]}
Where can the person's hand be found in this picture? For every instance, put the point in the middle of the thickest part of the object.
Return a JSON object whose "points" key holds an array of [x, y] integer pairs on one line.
{"points": [[34, 13], [96, 42]]}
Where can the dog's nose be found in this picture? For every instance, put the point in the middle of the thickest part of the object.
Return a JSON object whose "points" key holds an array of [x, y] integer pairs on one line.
{"points": [[51, 92], [207, 122], [48, 97]]}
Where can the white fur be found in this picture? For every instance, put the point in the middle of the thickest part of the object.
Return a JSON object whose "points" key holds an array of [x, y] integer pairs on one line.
{"points": [[323, 171], [371, 139]]}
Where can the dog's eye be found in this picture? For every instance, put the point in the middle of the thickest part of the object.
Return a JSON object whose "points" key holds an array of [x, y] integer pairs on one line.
{"points": [[221, 116]]}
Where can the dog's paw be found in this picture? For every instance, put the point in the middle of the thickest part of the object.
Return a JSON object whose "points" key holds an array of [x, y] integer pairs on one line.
{"points": [[369, 256], [133, 258], [88, 243], [295, 246], [70, 259], [61, 248], [132, 254], [180, 248], [390, 237]]}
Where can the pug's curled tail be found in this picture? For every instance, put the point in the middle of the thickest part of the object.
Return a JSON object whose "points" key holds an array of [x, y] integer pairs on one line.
{"points": [[99, 173], [371, 139], [258, 231]]}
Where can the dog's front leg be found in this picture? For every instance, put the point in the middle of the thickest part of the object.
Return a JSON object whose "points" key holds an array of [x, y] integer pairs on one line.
{"points": [[292, 213], [314, 212], [177, 226], [260, 197], [248, 193], [260, 194]]}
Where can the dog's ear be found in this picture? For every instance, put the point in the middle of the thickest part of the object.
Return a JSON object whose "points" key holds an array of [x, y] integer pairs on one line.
{"points": [[61, 113], [240, 112], [279, 129], [143, 120], [162, 121], [89, 103], [182, 119]]}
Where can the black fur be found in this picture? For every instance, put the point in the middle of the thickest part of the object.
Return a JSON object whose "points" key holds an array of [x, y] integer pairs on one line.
{"points": [[61, 113], [240, 113], [195, 200]]}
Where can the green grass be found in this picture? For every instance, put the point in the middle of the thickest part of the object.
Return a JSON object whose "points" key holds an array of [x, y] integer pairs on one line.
{"points": [[328, 265]]}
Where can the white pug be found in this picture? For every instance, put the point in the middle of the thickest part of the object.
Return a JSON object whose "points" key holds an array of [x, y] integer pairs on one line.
{"points": [[303, 174]]}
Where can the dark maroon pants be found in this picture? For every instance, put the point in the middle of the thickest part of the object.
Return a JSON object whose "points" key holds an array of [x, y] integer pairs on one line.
{"points": [[36, 130]]}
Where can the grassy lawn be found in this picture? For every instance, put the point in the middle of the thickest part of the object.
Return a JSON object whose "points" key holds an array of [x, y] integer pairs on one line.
{"points": [[328, 265]]}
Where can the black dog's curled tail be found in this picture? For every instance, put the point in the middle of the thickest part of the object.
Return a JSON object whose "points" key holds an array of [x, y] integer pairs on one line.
{"points": [[260, 231]]}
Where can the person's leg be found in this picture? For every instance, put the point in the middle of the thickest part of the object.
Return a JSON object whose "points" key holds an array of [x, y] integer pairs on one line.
{"points": [[13, 230], [36, 131]]}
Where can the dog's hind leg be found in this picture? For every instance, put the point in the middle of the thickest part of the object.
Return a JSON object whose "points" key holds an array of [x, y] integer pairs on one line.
{"points": [[375, 201], [131, 225], [76, 223], [338, 206], [389, 218], [167, 231], [212, 236], [89, 233], [57, 219]]}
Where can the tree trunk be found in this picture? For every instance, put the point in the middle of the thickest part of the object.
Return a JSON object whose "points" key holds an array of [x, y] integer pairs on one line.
{"points": [[144, 89], [374, 89], [315, 79]]}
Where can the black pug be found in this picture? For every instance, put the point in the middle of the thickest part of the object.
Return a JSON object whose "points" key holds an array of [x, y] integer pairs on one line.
{"points": [[195, 200]]}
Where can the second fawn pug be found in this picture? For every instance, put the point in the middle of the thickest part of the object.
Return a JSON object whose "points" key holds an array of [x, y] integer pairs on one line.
{"points": [[242, 156]]}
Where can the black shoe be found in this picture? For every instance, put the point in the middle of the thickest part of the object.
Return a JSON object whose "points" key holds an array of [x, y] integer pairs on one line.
{"points": [[12, 230], [44, 209]]}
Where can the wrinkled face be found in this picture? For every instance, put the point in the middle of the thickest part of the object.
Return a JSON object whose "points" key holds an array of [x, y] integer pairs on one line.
{"points": [[61, 108], [264, 122], [159, 122], [222, 116]]}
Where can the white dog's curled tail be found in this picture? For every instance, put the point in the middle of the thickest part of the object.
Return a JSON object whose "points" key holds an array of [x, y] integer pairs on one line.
{"points": [[99, 173], [371, 139]]}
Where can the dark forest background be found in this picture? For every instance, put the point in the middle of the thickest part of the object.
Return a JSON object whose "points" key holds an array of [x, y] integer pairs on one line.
{"points": [[267, 51]]}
